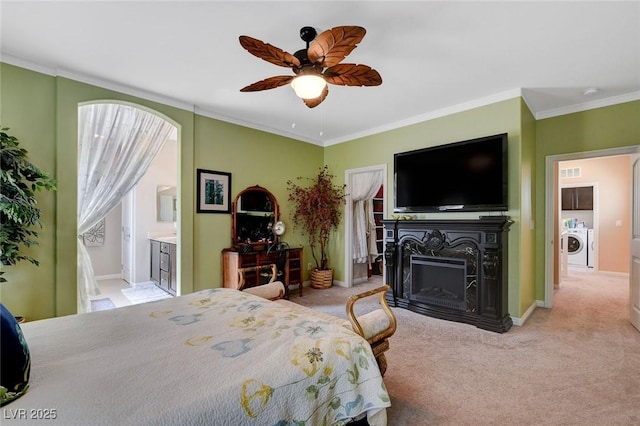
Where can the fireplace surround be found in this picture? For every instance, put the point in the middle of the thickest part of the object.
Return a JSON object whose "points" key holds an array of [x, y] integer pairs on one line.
{"points": [[455, 270]]}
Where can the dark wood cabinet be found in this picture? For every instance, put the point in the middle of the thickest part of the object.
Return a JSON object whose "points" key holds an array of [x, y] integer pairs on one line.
{"points": [[577, 198], [288, 262]]}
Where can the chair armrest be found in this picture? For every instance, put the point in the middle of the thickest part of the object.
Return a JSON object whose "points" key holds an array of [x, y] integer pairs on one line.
{"points": [[376, 325], [241, 271]]}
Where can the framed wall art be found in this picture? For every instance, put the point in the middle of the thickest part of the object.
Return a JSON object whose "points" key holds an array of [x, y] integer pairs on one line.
{"points": [[213, 191]]}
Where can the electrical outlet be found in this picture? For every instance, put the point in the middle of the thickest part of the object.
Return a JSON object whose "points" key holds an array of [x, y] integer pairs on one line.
{"points": [[309, 266]]}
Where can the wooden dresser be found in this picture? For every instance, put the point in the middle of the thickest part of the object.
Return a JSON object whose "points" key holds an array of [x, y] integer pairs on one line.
{"points": [[288, 261]]}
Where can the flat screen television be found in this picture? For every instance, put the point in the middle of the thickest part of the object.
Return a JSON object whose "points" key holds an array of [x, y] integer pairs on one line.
{"points": [[464, 176]]}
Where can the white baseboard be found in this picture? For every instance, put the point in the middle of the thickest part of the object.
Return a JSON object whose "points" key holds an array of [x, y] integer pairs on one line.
{"points": [[340, 283], [108, 277], [520, 321]]}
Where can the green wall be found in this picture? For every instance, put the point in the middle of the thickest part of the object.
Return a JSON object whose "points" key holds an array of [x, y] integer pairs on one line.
{"points": [[528, 210], [378, 149], [41, 111], [27, 107], [602, 128]]}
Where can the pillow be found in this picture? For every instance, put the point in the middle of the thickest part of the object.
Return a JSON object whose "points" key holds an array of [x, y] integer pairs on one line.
{"points": [[15, 358]]}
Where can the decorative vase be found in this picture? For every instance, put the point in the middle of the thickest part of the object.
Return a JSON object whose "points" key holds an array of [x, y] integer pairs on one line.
{"points": [[321, 278]]}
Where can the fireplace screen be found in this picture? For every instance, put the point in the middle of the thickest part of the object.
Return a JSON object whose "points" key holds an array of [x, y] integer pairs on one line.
{"points": [[438, 281]]}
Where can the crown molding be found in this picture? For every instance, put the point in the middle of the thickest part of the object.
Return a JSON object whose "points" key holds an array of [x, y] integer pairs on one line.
{"points": [[585, 106], [466, 106], [94, 81]]}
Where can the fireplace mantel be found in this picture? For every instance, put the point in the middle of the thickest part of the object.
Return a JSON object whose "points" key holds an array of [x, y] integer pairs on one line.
{"points": [[455, 270]]}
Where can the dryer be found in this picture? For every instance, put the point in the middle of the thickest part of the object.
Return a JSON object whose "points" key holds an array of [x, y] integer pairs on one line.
{"points": [[577, 246]]}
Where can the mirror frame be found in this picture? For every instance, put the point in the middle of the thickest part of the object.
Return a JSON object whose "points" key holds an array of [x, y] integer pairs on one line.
{"points": [[234, 211], [165, 191]]}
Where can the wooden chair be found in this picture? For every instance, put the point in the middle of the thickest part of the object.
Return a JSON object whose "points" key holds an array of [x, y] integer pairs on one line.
{"points": [[375, 326], [273, 290]]}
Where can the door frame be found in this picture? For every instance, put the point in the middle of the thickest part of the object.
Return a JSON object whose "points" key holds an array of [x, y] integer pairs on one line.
{"points": [[128, 245], [551, 200], [348, 222]]}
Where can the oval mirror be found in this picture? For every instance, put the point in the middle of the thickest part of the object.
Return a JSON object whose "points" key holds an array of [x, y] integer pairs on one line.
{"points": [[254, 213]]}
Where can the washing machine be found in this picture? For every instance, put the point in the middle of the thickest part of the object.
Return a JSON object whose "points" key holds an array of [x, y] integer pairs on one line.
{"points": [[591, 257], [577, 246]]}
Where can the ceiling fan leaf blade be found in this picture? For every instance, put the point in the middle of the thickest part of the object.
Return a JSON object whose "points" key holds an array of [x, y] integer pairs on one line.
{"points": [[268, 83], [332, 46], [352, 75], [312, 103], [268, 52]]}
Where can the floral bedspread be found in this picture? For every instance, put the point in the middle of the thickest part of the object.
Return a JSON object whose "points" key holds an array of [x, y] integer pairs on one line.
{"points": [[218, 357], [286, 367]]}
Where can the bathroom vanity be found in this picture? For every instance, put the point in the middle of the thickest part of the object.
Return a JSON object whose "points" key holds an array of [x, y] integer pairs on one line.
{"points": [[163, 263]]}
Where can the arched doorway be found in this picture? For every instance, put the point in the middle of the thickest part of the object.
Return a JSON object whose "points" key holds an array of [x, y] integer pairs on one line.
{"points": [[117, 145]]}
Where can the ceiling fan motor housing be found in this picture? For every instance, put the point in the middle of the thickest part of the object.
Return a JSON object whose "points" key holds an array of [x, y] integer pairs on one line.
{"points": [[308, 34]]}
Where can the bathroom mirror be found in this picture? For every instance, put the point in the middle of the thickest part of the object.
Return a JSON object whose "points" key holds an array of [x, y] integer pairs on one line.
{"points": [[254, 212], [166, 200]]}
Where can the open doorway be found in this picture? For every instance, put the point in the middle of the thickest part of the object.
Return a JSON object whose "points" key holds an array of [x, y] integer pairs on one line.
{"points": [[608, 174], [126, 152], [366, 205]]}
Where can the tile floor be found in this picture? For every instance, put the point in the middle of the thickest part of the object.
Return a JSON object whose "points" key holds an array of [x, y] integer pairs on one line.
{"points": [[112, 289]]}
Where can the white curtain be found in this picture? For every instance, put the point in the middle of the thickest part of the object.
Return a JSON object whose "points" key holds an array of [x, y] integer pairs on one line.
{"points": [[364, 187], [117, 143]]}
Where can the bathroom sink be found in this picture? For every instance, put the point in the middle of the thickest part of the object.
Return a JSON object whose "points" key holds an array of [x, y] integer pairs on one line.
{"points": [[167, 239]]}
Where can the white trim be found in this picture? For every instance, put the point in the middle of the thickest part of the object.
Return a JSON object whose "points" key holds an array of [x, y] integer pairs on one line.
{"points": [[585, 106], [23, 63], [233, 120], [129, 90], [466, 106], [340, 284], [549, 203], [348, 215], [95, 81], [108, 277], [520, 321]]}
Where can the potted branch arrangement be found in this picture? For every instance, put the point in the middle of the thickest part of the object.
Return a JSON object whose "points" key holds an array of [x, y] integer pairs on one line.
{"points": [[317, 211], [19, 214]]}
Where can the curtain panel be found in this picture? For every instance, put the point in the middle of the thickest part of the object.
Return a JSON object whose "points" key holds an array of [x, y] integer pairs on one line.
{"points": [[364, 187], [117, 143]]}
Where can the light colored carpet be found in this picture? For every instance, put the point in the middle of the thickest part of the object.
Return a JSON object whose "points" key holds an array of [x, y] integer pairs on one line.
{"points": [[142, 293], [576, 364], [102, 304]]}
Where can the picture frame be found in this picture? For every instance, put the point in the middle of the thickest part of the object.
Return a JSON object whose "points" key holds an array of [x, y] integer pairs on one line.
{"points": [[213, 191]]}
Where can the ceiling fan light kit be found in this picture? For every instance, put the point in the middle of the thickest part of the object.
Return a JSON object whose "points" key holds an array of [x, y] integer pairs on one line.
{"points": [[308, 86], [316, 65]]}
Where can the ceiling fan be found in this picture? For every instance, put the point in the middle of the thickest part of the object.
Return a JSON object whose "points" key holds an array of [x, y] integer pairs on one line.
{"points": [[316, 65]]}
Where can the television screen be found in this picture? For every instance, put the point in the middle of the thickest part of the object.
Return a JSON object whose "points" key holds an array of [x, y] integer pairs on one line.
{"points": [[463, 176]]}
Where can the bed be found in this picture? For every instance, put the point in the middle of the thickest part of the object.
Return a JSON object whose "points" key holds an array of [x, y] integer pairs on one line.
{"points": [[216, 357]]}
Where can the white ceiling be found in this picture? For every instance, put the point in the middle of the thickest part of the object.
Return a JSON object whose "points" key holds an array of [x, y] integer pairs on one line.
{"points": [[435, 57]]}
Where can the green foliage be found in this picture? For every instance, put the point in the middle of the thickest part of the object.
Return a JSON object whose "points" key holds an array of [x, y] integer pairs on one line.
{"points": [[19, 213], [317, 211]]}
